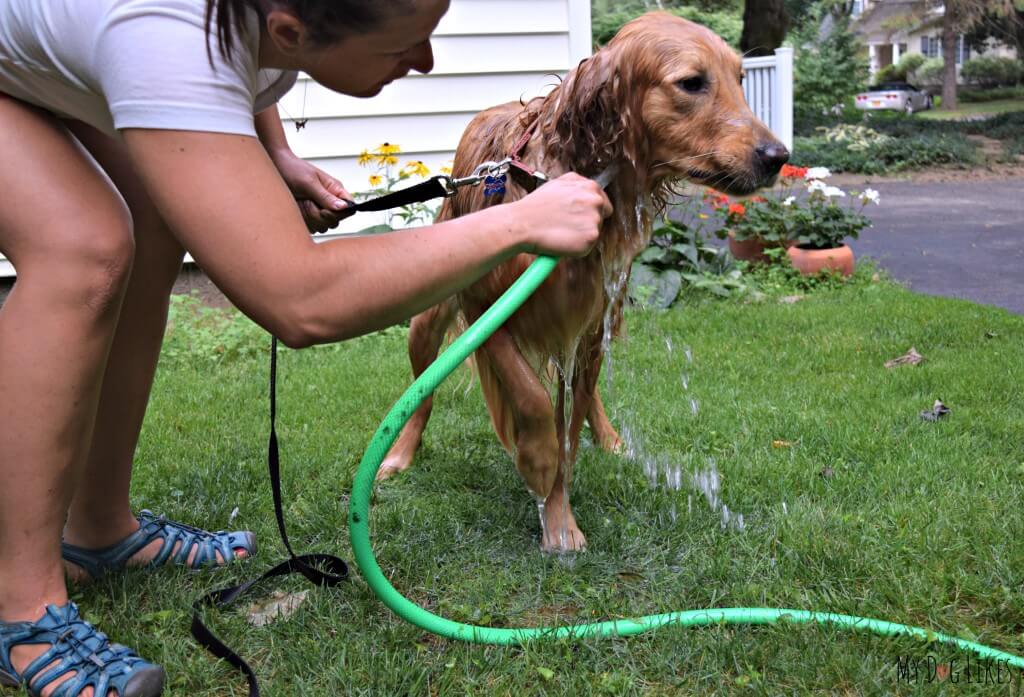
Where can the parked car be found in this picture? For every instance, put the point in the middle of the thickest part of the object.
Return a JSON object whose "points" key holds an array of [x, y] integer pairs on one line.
{"points": [[899, 96]]}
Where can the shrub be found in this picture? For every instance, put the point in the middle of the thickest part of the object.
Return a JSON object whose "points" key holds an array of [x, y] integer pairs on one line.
{"points": [[993, 71], [827, 72], [902, 70], [929, 73], [991, 95], [892, 155], [728, 25]]}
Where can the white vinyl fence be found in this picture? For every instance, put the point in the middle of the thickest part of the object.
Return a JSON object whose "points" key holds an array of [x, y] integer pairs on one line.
{"points": [[487, 52], [768, 87]]}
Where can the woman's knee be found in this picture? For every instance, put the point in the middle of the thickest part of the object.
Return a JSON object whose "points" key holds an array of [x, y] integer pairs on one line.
{"points": [[89, 262]]}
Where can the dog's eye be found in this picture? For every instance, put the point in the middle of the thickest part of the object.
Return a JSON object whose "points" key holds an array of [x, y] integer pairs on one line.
{"points": [[693, 85]]}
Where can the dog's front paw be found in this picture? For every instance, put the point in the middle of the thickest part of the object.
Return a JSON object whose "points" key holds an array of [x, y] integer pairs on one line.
{"points": [[560, 532]]}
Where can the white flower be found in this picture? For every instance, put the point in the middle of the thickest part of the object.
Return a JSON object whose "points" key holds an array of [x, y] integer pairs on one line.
{"points": [[834, 192], [818, 173], [871, 195], [789, 201], [816, 185]]}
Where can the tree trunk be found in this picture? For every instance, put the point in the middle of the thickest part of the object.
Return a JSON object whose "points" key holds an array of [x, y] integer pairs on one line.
{"points": [[765, 23], [949, 34]]}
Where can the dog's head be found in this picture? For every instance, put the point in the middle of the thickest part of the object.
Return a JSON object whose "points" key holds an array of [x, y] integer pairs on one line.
{"points": [[666, 95]]}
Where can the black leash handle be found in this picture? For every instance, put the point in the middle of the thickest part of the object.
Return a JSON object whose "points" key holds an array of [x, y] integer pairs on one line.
{"points": [[321, 569], [435, 187]]}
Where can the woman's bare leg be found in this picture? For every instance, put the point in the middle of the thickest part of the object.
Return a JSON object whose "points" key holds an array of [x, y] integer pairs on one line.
{"points": [[100, 512], [68, 233]]}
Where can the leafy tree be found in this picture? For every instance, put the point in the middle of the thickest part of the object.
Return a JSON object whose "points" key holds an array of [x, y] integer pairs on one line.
{"points": [[1007, 28]]}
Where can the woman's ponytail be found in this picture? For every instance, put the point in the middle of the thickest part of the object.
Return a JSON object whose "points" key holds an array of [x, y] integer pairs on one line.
{"points": [[229, 18]]}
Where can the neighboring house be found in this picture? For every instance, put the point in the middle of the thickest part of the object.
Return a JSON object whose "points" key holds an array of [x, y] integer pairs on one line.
{"points": [[893, 28]]}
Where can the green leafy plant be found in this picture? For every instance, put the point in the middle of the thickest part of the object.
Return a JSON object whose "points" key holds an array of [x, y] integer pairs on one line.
{"points": [[854, 137], [678, 257]]}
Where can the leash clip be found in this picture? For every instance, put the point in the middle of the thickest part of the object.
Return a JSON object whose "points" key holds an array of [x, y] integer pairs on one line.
{"points": [[484, 170]]}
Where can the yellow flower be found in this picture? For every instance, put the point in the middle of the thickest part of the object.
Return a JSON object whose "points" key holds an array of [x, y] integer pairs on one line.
{"points": [[387, 160], [365, 158], [416, 167], [389, 149], [445, 169], [376, 180]]}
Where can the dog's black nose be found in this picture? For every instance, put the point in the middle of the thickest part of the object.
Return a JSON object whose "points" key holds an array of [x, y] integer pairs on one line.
{"points": [[771, 157]]}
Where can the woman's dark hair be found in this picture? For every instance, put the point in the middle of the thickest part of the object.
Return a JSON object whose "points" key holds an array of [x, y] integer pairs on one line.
{"points": [[327, 20]]}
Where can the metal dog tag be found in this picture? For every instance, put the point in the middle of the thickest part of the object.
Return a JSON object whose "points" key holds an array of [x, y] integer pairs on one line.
{"points": [[495, 186]]}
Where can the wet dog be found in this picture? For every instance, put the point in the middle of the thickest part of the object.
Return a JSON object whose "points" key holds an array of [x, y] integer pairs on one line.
{"points": [[661, 103]]}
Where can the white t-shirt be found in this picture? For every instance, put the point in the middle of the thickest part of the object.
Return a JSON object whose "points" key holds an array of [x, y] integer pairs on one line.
{"points": [[118, 64]]}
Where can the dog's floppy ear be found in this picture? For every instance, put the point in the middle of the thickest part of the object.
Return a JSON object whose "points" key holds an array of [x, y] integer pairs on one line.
{"points": [[599, 119]]}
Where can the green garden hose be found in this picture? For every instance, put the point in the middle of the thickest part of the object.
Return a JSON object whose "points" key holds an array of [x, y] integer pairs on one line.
{"points": [[359, 530]]}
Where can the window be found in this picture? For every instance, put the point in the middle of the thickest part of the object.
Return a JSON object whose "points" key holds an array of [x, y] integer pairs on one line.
{"points": [[931, 46]]}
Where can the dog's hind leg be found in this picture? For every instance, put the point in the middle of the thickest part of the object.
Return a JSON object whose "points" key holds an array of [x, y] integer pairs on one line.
{"points": [[426, 333]]}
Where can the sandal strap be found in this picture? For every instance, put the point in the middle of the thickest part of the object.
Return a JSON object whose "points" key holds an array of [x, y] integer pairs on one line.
{"points": [[76, 648], [98, 562]]}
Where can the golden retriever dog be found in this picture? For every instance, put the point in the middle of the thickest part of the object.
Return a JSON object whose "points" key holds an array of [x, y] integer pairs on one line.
{"points": [[661, 103]]}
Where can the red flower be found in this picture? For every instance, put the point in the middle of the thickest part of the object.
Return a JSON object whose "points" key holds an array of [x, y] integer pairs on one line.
{"points": [[737, 209], [793, 172], [759, 199]]}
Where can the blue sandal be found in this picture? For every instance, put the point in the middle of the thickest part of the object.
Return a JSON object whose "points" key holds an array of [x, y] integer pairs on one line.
{"points": [[78, 650], [98, 562]]}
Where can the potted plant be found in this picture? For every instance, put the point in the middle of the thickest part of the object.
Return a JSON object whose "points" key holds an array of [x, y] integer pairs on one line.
{"points": [[801, 213], [751, 226], [821, 224]]}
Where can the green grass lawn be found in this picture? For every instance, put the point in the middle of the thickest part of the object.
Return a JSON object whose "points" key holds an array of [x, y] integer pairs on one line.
{"points": [[850, 501], [966, 109]]}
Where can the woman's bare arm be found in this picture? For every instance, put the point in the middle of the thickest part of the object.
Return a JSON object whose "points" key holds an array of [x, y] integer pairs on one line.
{"points": [[230, 209]]}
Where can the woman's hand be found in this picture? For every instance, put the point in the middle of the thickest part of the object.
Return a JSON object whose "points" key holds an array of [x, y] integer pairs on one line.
{"points": [[318, 194], [563, 217]]}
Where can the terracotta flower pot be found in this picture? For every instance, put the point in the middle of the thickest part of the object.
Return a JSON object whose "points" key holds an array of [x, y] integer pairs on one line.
{"points": [[750, 250], [812, 261]]}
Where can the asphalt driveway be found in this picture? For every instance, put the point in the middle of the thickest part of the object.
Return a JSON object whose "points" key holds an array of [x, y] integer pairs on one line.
{"points": [[958, 239]]}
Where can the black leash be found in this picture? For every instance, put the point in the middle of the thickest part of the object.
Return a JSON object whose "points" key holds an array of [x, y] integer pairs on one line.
{"points": [[334, 570], [322, 569]]}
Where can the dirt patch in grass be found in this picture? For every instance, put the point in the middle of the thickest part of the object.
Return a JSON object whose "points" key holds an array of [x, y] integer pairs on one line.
{"points": [[192, 280]]}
